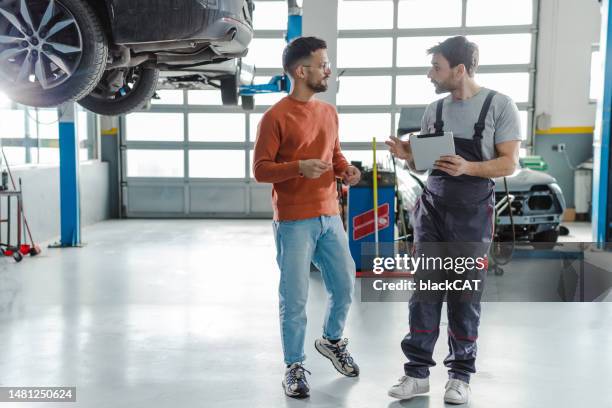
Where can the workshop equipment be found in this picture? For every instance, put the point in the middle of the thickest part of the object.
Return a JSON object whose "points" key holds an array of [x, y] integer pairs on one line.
{"points": [[361, 215], [7, 248], [33, 249]]}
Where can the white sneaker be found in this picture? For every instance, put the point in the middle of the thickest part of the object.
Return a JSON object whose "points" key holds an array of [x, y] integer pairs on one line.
{"points": [[457, 392], [407, 387]]}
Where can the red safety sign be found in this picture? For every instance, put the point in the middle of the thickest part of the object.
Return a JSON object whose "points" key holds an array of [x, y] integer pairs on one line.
{"points": [[363, 224]]}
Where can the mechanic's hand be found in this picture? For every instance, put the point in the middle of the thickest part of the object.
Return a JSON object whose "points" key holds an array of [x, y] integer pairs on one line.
{"points": [[351, 175], [399, 148], [453, 165], [313, 168]]}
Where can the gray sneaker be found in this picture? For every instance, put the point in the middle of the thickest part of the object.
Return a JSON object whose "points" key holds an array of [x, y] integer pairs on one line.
{"points": [[338, 355], [457, 392], [294, 381], [408, 387]]}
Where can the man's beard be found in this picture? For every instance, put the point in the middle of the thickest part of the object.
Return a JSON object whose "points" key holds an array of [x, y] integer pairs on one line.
{"points": [[442, 88], [318, 87]]}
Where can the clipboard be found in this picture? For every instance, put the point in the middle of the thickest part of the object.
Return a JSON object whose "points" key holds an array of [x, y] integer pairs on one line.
{"points": [[427, 148]]}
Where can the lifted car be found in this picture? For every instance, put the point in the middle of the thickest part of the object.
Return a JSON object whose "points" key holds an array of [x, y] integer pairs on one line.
{"points": [[108, 54]]}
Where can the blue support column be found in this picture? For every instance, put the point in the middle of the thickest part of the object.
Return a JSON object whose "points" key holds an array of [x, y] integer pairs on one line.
{"points": [[601, 142], [69, 177]]}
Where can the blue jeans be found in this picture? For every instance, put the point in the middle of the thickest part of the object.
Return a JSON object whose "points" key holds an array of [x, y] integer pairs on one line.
{"points": [[322, 241]]}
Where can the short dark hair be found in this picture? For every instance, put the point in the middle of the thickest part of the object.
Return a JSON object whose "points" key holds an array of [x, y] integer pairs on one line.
{"points": [[301, 47], [458, 50]]}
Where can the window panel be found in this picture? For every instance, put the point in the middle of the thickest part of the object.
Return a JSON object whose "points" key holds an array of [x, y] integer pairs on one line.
{"points": [[155, 163], [270, 15], [45, 121], [217, 163], [269, 99], [155, 127], [12, 123], [216, 127], [429, 13], [415, 90], [412, 51], [83, 134], [204, 97], [362, 127], [499, 12], [365, 15], [364, 90], [366, 157], [168, 97], [524, 124], [266, 52], [254, 119], [82, 125], [365, 52], [493, 49], [15, 155], [48, 156], [515, 85]]}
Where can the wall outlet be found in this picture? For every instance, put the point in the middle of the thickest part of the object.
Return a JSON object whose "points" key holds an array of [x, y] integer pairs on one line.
{"points": [[559, 147]]}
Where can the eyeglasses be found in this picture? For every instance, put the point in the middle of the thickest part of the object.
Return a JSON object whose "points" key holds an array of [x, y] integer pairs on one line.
{"points": [[324, 66]]}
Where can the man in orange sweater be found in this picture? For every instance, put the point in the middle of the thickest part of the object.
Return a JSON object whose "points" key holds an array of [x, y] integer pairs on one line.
{"points": [[298, 150]]}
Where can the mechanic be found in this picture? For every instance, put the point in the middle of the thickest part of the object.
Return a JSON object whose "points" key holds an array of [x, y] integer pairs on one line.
{"points": [[298, 150], [457, 206]]}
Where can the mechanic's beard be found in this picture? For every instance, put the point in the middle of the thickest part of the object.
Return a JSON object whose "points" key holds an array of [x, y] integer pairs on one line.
{"points": [[443, 87], [318, 87]]}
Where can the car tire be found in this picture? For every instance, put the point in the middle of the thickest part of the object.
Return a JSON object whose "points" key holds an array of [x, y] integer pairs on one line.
{"points": [[136, 98], [86, 65], [248, 102], [229, 90]]}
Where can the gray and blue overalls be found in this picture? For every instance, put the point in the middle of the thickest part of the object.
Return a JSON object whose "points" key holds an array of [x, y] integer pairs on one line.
{"points": [[458, 211]]}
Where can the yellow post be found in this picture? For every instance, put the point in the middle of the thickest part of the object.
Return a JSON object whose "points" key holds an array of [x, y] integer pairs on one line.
{"points": [[375, 194]]}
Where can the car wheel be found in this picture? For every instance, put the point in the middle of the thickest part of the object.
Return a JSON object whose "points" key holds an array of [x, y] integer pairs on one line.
{"points": [[51, 51], [122, 91], [248, 102], [229, 90]]}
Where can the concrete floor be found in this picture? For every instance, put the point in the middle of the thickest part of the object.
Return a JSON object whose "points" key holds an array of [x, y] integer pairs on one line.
{"points": [[578, 232], [184, 314]]}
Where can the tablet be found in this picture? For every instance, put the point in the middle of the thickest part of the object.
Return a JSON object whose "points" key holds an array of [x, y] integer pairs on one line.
{"points": [[427, 148]]}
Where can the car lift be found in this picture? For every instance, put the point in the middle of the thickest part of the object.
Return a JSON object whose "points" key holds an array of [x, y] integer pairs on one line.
{"points": [[280, 83], [69, 177]]}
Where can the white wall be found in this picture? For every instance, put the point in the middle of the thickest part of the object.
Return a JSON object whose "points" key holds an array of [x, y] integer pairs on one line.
{"points": [[41, 198], [568, 28]]}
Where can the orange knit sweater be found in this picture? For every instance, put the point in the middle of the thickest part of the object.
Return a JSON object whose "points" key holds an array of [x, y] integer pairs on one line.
{"points": [[291, 131]]}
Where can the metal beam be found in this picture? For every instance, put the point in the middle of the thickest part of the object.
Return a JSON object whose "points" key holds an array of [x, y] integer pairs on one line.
{"points": [[69, 177]]}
